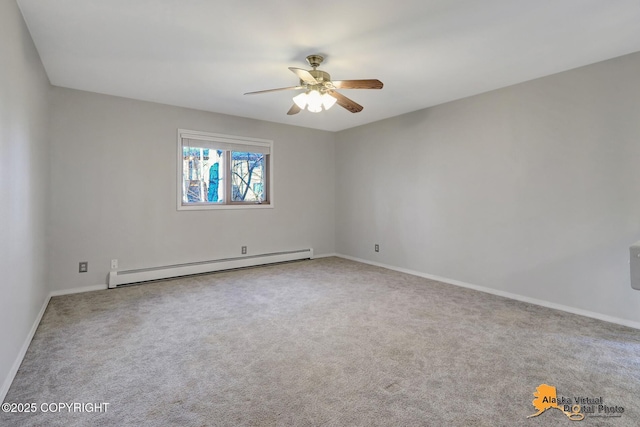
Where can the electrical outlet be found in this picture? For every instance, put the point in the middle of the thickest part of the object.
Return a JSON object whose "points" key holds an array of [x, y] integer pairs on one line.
{"points": [[244, 250], [83, 267], [114, 264], [376, 248]]}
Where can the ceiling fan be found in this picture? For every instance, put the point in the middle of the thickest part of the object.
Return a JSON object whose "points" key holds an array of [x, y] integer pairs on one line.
{"points": [[319, 91]]}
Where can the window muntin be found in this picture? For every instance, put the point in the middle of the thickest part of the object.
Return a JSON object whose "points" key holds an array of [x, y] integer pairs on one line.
{"points": [[223, 171]]}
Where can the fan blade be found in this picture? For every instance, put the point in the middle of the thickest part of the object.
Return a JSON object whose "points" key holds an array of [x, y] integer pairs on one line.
{"points": [[293, 110], [357, 84], [345, 102], [304, 75], [275, 90]]}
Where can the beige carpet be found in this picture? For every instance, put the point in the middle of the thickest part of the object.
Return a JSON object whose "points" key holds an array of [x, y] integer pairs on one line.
{"points": [[327, 342]]}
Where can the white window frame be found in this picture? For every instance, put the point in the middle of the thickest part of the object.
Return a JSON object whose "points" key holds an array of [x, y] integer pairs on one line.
{"points": [[224, 140]]}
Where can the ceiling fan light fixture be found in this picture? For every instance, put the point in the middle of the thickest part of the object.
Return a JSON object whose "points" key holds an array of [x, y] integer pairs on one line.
{"points": [[314, 101]]}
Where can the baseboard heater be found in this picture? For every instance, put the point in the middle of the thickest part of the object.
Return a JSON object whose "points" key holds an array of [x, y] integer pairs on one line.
{"points": [[155, 273]]}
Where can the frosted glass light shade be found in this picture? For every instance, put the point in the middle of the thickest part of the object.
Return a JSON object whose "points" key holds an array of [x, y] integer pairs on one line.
{"points": [[314, 101], [328, 101], [301, 100]]}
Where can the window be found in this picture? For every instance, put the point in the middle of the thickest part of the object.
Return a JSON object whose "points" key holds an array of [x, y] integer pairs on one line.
{"points": [[222, 171]]}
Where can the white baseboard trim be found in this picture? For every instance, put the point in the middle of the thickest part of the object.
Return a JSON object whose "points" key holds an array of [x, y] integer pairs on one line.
{"points": [[517, 297], [81, 289], [325, 256], [16, 365]]}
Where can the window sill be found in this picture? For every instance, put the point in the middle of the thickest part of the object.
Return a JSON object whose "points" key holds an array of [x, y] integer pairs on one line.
{"points": [[207, 207]]}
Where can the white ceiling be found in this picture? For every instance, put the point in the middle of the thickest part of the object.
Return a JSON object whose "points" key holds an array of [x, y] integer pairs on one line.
{"points": [[205, 54]]}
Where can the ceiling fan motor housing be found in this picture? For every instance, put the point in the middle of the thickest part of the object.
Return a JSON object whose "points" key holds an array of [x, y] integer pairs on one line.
{"points": [[320, 76]]}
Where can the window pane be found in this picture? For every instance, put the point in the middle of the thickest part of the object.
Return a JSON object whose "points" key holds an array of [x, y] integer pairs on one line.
{"points": [[248, 177], [202, 175], [218, 171]]}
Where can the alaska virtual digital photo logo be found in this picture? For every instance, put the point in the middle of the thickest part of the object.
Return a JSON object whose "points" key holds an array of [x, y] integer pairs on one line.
{"points": [[575, 408]]}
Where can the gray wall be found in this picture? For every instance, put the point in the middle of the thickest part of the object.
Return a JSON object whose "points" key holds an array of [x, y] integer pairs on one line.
{"points": [[532, 189], [24, 174], [113, 186]]}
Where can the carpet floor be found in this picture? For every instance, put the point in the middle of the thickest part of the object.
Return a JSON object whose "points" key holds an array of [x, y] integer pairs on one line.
{"points": [[326, 342]]}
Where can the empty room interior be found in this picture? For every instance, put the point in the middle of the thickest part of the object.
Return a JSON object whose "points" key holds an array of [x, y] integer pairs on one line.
{"points": [[339, 214]]}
